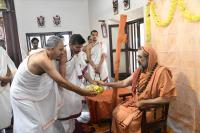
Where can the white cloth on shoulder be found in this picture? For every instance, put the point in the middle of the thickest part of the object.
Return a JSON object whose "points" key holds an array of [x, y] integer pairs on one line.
{"points": [[35, 100], [75, 68], [6, 110]]}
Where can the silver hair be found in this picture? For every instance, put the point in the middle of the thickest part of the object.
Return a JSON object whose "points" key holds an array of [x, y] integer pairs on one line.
{"points": [[53, 41]]}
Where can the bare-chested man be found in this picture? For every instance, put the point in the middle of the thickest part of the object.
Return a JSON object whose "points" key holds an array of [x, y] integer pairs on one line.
{"points": [[34, 94]]}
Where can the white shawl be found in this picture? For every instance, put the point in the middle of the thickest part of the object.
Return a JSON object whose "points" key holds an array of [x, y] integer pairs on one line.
{"points": [[5, 63], [35, 100], [6, 110], [75, 67]]}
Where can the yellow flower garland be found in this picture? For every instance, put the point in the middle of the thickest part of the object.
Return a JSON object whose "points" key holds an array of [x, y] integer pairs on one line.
{"points": [[147, 24], [186, 13], [163, 23], [157, 19]]}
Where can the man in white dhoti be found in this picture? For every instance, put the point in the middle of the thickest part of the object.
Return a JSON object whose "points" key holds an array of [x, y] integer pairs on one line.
{"points": [[75, 68], [97, 59], [7, 70], [34, 96]]}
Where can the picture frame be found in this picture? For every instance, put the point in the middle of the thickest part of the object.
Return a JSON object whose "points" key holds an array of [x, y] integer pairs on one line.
{"points": [[41, 21], [57, 20], [104, 29], [126, 4], [115, 7], [44, 36]]}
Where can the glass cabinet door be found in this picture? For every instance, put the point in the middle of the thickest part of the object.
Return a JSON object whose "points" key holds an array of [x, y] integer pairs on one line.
{"points": [[43, 37]]}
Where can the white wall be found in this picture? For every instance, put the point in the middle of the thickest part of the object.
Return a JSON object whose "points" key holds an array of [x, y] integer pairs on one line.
{"points": [[103, 10], [78, 16], [73, 13]]}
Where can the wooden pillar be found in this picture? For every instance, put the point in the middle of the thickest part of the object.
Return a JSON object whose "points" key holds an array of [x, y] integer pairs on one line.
{"points": [[12, 39]]}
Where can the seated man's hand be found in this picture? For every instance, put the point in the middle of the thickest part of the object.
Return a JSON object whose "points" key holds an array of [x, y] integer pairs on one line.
{"points": [[99, 82]]}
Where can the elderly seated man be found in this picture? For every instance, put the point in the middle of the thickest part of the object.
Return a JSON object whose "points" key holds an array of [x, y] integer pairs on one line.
{"points": [[151, 83]]}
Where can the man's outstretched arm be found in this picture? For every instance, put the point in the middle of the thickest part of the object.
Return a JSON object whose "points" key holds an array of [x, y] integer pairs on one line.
{"points": [[49, 68], [119, 84]]}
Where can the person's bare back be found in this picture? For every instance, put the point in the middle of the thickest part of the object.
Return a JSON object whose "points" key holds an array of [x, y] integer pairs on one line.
{"points": [[41, 62], [34, 62]]}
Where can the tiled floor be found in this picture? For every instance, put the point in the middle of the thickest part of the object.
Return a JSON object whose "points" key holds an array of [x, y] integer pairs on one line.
{"points": [[85, 128], [89, 128]]}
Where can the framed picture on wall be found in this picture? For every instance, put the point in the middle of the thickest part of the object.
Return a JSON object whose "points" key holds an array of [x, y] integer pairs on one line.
{"points": [[43, 37], [41, 21], [115, 7], [126, 4], [57, 20], [104, 29]]}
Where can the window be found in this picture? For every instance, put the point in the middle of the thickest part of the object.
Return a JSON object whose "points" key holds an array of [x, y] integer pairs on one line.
{"points": [[135, 38], [43, 37]]}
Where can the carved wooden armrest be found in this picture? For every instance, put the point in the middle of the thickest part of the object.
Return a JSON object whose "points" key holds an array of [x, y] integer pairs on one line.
{"points": [[154, 105], [123, 96]]}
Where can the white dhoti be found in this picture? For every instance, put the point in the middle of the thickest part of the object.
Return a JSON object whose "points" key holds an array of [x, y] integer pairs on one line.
{"points": [[96, 52], [6, 110], [35, 100], [75, 68]]}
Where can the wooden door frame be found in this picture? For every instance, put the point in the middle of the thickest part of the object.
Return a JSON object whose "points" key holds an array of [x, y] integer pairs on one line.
{"points": [[11, 32]]}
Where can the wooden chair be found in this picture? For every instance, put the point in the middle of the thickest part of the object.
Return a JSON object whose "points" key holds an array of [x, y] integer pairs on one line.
{"points": [[157, 125]]}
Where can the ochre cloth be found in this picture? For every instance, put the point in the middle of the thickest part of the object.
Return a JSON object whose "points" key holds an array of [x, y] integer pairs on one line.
{"points": [[120, 39], [100, 106], [126, 116]]}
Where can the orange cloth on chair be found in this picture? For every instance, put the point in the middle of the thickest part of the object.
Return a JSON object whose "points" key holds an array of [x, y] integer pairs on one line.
{"points": [[100, 106], [126, 116]]}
